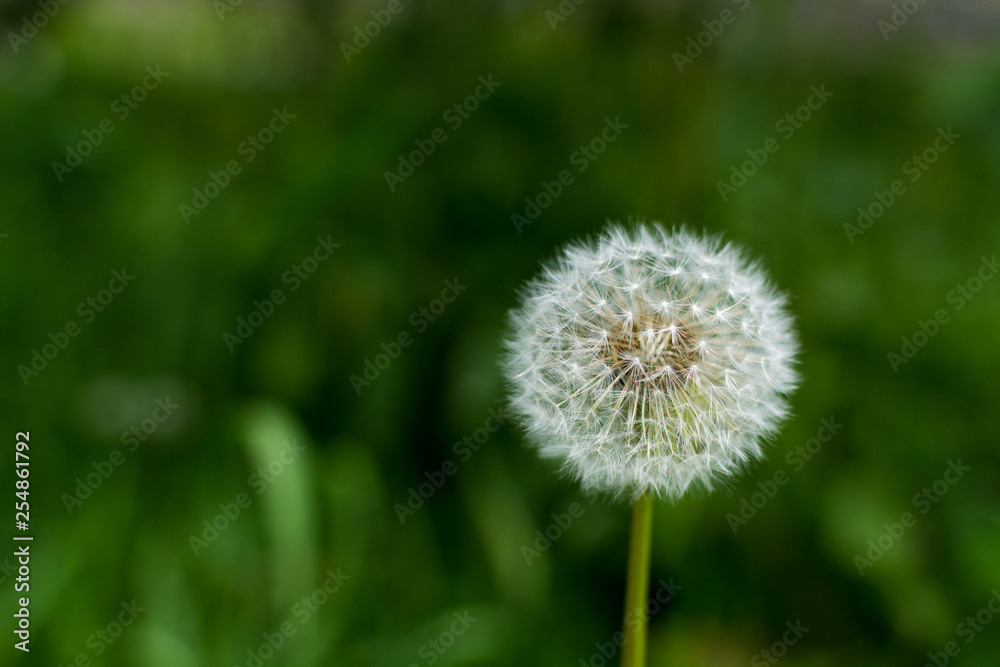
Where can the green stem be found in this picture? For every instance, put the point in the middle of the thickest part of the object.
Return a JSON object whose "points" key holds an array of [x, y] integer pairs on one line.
{"points": [[637, 583]]}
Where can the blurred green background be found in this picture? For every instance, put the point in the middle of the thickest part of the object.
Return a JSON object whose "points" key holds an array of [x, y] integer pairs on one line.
{"points": [[333, 503]]}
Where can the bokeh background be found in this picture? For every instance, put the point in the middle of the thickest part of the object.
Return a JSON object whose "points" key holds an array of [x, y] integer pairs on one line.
{"points": [[336, 503]]}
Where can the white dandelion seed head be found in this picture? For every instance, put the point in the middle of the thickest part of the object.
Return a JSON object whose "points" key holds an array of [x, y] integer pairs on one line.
{"points": [[650, 361]]}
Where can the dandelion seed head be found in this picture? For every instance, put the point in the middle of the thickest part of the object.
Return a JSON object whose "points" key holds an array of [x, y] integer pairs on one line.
{"points": [[650, 360]]}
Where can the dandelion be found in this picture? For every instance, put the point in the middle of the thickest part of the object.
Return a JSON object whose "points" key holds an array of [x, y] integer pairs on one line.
{"points": [[647, 363]]}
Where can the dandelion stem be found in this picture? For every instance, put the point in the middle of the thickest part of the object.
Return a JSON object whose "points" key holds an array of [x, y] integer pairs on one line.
{"points": [[637, 583]]}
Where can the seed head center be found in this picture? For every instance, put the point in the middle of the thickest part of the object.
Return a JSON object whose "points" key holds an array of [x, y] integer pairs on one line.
{"points": [[658, 354]]}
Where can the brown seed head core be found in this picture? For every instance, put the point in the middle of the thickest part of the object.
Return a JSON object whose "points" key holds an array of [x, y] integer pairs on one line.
{"points": [[651, 354]]}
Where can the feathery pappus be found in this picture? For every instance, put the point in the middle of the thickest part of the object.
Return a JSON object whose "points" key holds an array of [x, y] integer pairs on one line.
{"points": [[650, 360]]}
